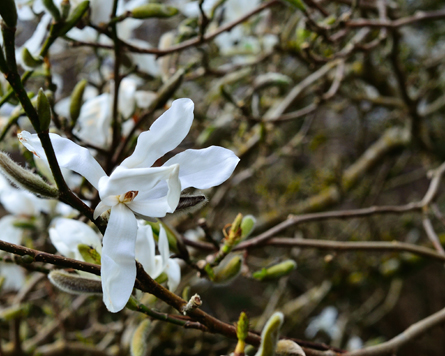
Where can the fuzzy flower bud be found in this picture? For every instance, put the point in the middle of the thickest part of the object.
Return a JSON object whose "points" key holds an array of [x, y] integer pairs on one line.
{"points": [[25, 179], [74, 284], [289, 348]]}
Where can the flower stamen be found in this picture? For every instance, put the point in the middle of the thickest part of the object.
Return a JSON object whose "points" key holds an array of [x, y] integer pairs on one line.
{"points": [[128, 196]]}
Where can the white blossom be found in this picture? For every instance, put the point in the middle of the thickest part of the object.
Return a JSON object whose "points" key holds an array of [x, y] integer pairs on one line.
{"points": [[135, 188]]}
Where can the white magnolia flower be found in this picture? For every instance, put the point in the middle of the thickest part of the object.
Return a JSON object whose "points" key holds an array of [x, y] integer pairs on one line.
{"points": [[155, 265], [67, 234], [136, 188]]}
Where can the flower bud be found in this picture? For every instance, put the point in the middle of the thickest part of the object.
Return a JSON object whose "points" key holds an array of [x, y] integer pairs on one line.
{"points": [[74, 18], [139, 342], [43, 110], [190, 202], [89, 254], [75, 284], [76, 101], [8, 12], [29, 60], [229, 271], [52, 9], [275, 272], [25, 179], [153, 10], [269, 335], [289, 348]]}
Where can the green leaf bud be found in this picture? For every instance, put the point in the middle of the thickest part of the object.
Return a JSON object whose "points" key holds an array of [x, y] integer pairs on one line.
{"points": [[89, 254], [43, 110], [8, 12], [242, 328], [29, 60], [247, 226], [75, 284], [153, 10], [277, 271], [74, 18], [25, 179], [52, 9], [229, 271], [76, 100], [139, 342], [269, 335], [288, 348]]}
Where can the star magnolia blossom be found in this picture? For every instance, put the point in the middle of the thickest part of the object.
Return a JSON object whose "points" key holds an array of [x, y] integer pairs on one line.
{"points": [[136, 188]]}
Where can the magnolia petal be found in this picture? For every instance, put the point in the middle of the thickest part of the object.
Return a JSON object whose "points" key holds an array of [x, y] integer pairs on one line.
{"points": [[101, 208], [127, 100], [69, 155], [145, 250], [118, 271], [10, 233], [145, 206], [163, 246], [153, 208], [166, 133], [204, 168], [173, 271], [67, 234], [93, 124], [14, 277], [123, 180]]}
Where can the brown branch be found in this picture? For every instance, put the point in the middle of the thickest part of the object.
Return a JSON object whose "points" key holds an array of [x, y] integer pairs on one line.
{"points": [[189, 43], [292, 220], [415, 330], [344, 246], [417, 17]]}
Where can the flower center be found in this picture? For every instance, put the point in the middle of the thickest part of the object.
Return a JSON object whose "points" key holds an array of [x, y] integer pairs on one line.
{"points": [[128, 196]]}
